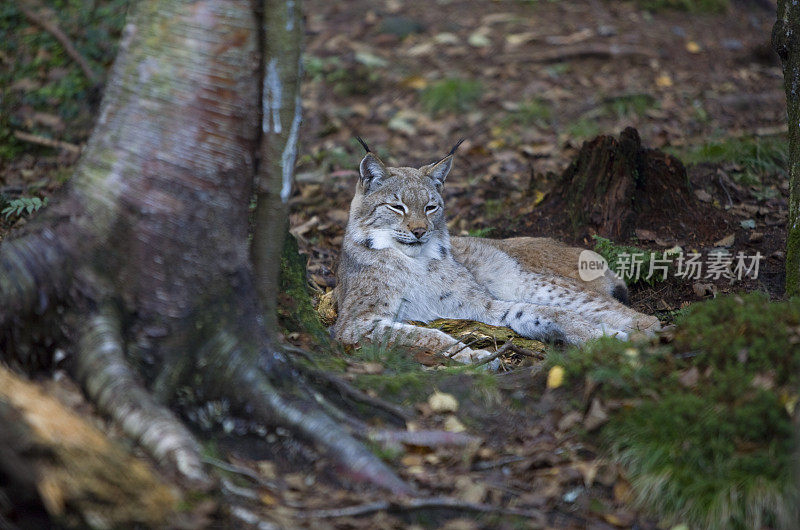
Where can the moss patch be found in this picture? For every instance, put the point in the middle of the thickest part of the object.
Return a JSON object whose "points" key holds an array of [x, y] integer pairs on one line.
{"points": [[703, 424], [296, 310]]}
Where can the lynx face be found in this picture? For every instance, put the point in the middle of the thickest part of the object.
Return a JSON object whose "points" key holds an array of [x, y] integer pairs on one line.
{"points": [[401, 208]]}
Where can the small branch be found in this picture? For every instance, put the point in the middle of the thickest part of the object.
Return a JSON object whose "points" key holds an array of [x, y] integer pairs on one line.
{"points": [[241, 470], [483, 466], [430, 439], [47, 142], [600, 51], [462, 348], [413, 504], [55, 31], [348, 391], [486, 360]]}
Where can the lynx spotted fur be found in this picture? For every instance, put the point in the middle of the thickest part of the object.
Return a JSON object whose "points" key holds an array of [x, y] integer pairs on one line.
{"points": [[400, 264]]}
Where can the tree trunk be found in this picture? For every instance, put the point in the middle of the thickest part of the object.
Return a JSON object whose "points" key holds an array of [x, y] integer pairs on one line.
{"points": [[786, 39], [280, 124], [143, 261]]}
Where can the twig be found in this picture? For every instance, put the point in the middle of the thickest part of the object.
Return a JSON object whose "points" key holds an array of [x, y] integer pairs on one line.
{"points": [[47, 142], [483, 466], [241, 470], [430, 439], [486, 360], [421, 504], [464, 347], [509, 346], [59, 35], [601, 51], [349, 391]]}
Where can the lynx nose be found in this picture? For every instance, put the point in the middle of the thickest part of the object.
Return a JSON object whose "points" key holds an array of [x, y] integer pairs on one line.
{"points": [[418, 232]]}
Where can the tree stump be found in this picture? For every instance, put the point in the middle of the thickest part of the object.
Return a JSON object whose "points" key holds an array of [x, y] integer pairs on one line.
{"points": [[611, 182]]}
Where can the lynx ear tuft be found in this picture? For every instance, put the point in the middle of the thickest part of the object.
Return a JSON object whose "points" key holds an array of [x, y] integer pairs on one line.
{"points": [[439, 171], [453, 150], [372, 172], [364, 144]]}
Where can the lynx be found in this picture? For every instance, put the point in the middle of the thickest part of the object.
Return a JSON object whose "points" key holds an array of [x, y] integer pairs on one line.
{"points": [[400, 264]]}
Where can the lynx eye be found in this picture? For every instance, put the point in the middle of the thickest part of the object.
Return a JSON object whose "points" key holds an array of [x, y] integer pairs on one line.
{"points": [[431, 208], [398, 208]]}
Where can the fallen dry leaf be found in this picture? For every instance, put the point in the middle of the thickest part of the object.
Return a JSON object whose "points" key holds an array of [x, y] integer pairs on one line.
{"points": [[596, 416], [442, 402], [453, 424], [693, 47], [726, 241]]}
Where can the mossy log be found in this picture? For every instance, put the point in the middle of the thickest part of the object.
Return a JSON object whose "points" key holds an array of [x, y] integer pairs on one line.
{"points": [[58, 468], [477, 334], [612, 180], [483, 336]]}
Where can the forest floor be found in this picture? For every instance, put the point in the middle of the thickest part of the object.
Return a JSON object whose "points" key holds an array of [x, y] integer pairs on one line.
{"points": [[525, 82]]}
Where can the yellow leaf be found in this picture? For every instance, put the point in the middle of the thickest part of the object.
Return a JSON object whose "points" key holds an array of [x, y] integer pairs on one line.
{"points": [[692, 47], [555, 378], [498, 143], [417, 82], [538, 197], [664, 81]]}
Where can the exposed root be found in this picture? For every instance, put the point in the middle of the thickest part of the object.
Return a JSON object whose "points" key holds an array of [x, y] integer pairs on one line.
{"points": [[101, 369], [537, 518], [256, 396], [31, 268], [350, 392], [243, 471]]}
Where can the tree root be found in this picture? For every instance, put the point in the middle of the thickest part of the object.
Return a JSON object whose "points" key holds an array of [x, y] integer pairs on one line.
{"points": [[31, 268], [101, 369], [538, 519], [350, 392], [309, 422]]}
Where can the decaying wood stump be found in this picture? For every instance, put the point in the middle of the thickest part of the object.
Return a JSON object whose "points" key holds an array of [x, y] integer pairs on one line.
{"points": [[58, 469], [612, 181]]}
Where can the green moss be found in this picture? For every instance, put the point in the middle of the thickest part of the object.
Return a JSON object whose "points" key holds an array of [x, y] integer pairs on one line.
{"points": [[716, 452], [629, 105], [619, 258], [405, 380], [295, 308], [39, 75], [583, 129], [533, 112], [757, 157], [451, 95]]}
